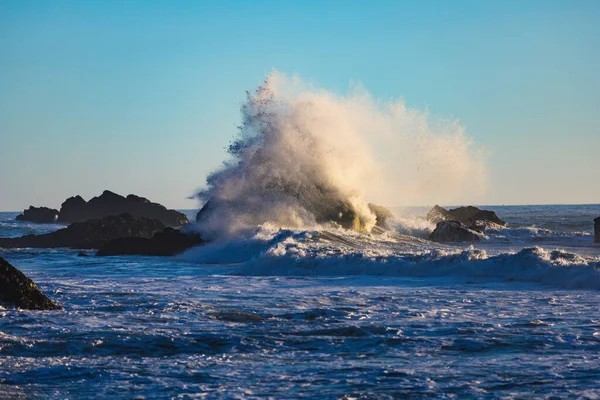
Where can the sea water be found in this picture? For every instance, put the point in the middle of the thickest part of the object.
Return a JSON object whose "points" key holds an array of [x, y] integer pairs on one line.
{"points": [[317, 314]]}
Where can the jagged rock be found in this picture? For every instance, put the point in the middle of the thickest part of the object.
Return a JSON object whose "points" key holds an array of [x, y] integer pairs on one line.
{"points": [[468, 216], [91, 234], [76, 209], [597, 230], [437, 214], [382, 214], [39, 215], [18, 290], [72, 210], [206, 210], [453, 231], [166, 243]]}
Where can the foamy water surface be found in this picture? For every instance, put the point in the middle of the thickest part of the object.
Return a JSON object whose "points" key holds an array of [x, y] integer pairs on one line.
{"points": [[327, 314]]}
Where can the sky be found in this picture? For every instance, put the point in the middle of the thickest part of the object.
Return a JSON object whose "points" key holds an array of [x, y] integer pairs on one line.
{"points": [[144, 96]]}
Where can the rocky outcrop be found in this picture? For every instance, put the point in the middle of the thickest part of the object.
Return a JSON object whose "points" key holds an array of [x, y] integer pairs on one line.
{"points": [[76, 209], [453, 231], [39, 215], [438, 214], [91, 234], [166, 243], [469, 216], [597, 230], [206, 210], [382, 215], [339, 212], [18, 290]]}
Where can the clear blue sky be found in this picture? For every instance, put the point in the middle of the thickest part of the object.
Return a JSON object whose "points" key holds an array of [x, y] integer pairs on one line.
{"points": [[143, 96]]}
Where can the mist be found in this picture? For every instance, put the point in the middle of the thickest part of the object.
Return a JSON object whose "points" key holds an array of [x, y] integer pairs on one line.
{"points": [[302, 152]]}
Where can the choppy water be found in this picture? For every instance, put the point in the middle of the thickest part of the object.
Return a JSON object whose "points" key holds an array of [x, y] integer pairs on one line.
{"points": [[291, 314]]}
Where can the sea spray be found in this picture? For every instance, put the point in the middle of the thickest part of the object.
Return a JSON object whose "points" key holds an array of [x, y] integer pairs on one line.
{"points": [[304, 157]]}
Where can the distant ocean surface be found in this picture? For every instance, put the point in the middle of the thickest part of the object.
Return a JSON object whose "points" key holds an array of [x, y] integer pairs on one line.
{"points": [[318, 314]]}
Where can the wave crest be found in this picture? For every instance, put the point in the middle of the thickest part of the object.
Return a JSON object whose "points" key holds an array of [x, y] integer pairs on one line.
{"points": [[271, 251]]}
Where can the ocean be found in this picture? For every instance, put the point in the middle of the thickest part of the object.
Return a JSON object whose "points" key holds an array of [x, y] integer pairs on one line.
{"points": [[317, 313]]}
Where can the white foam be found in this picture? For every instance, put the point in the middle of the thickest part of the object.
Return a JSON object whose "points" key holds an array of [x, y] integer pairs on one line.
{"points": [[279, 252], [301, 149]]}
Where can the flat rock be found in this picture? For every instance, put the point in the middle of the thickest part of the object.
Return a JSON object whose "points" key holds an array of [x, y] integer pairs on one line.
{"points": [[39, 215], [91, 234], [76, 209], [166, 243], [453, 231], [18, 290]]}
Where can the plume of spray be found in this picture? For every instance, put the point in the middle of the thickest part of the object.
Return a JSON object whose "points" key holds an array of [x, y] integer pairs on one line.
{"points": [[304, 156]]}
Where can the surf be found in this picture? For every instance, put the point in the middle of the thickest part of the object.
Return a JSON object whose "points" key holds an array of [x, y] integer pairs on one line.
{"points": [[304, 157]]}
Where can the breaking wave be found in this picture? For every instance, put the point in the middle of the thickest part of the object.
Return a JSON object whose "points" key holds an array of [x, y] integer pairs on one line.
{"points": [[304, 157], [270, 251]]}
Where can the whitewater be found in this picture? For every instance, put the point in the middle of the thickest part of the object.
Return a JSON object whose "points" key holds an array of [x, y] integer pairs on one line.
{"points": [[317, 313], [303, 293]]}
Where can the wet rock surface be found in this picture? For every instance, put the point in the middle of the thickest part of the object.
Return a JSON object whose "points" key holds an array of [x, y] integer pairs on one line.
{"points": [[453, 231], [382, 215], [18, 290]]}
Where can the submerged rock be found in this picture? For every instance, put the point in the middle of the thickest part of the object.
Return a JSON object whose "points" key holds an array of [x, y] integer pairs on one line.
{"points": [[76, 209], [18, 290], [91, 234], [39, 215], [597, 230], [453, 231], [469, 216], [166, 243]]}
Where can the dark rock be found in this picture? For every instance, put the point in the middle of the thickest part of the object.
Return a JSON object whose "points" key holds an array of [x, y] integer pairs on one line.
{"points": [[382, 214], [73, 210], [337, 211], [39, 215], [482, 226], [18, 290], [82, 254], [166, 243], [437, 214], [597, 230], [341, 213], [91, 234], [206, 210], [468, 216], [453, 231], [76, 209]]}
